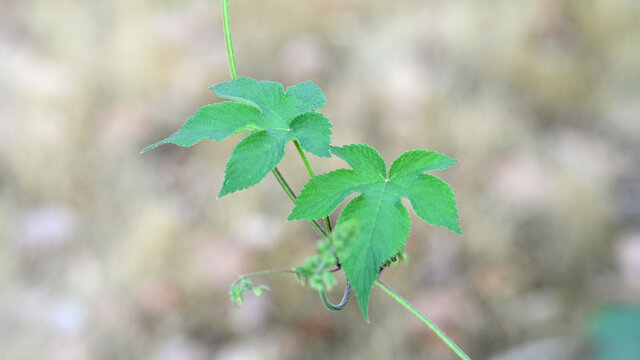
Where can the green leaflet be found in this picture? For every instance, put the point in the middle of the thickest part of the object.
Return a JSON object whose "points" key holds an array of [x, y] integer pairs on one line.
{"points": [[214, 122], [384, 223], [272, 115]]}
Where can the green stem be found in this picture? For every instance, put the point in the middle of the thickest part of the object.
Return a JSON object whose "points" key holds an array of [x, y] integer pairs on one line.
{"points": [[227, 38], [304, 158], [307, 164], [327, 223], [424, 319], [287, 189], [263, 272], [343, 302], [285, 186]]}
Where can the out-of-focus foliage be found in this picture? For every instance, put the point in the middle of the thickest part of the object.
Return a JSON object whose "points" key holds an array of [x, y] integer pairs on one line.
{"points": [[316, 271], [613, 333], [105, 254], [242, 286]]}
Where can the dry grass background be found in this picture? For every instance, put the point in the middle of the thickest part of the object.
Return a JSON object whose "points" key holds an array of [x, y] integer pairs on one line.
{"points": [[106, 254]]}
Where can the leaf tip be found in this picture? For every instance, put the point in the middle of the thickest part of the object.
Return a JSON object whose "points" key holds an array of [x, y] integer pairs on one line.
{"points": [[326, 154], [150, 147], [364, 308], [296, 215], [229, 189], [456, 229], [333, 148]]}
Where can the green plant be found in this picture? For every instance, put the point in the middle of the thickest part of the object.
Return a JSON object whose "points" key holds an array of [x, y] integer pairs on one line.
{"points": [[372, 229]]}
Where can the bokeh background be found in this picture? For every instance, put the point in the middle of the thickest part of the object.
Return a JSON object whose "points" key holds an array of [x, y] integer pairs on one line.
{"points": [[106, 254]]}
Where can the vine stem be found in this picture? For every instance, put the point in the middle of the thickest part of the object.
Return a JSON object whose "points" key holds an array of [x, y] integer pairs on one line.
{"points": [[227, 38], [327, 222], [402, 301], [287, 189], [234, 75], [276, 173], [304, 158], [343, 302], [264, 272]]}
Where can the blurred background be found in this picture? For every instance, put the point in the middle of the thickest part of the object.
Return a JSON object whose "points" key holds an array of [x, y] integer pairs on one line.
{"points": [[106, 254]]}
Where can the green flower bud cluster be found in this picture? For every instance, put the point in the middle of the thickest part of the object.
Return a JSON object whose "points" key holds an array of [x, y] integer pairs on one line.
{"points": [[316, 270], [240, 287]]}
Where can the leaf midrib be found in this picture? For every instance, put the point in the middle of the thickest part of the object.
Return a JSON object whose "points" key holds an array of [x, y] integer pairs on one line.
{"points": [[375, 221]]}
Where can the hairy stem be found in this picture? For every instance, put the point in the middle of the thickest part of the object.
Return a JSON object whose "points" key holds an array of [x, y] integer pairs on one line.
{"points": [[424, 319]]}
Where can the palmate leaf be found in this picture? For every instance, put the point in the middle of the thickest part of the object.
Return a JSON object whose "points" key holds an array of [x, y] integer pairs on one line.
{"points": [[384, 223], [272, 115]]}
